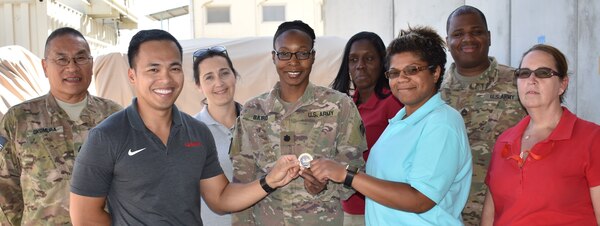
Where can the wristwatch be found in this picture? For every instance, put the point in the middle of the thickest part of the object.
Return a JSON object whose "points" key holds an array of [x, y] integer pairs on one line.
{"points": [[350, 172], [263, 183]]}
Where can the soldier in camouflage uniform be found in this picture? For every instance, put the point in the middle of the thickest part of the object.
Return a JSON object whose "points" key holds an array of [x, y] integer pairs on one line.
{"points": [[483, 91], [41, 137], [296, 117]]}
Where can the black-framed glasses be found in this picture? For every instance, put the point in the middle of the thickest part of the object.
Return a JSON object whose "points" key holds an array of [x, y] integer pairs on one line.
{"points": [[213, 49], [408, 71], [542, 72], [79, 60], [300, 55]]}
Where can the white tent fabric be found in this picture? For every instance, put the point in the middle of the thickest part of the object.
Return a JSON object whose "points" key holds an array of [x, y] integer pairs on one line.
{"points": [[22, 76], [251, 57]]}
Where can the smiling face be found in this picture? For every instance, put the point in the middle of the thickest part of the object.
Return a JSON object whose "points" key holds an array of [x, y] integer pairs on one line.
{"points": [[469, 41], [157, 77], [412, 90], [68, 83], [364, 65], [217, 81], [293, 73], [540, 92]]}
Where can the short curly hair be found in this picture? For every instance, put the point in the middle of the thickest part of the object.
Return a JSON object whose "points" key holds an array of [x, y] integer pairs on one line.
{"points": [[424, 42]]}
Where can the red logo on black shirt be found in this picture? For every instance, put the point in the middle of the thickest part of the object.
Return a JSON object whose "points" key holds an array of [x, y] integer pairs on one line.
{"points": [[192, 144]]}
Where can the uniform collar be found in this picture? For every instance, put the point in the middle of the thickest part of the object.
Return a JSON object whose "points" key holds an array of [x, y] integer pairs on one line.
{"points": [[487, 77], [54, 109], [307, 98]]}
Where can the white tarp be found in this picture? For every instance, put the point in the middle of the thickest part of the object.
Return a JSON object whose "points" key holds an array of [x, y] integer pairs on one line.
{"points": [[22, 76], [251, 58]]}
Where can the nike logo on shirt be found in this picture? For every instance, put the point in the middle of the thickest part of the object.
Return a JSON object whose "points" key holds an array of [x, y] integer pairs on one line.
{"points": [[132, 153]]}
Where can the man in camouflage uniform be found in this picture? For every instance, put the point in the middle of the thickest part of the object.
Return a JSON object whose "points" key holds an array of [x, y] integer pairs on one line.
{"points": [[483, 91], [296, 117], [40, 137]]}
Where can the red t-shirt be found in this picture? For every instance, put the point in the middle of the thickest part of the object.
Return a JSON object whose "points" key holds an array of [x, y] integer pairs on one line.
{"points": [[553, 185], [375, 114]]}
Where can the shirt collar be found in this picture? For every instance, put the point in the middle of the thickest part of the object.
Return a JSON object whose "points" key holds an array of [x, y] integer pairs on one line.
{"points": [[563, 130], [137, 123], [372, 101], [431, 104]]}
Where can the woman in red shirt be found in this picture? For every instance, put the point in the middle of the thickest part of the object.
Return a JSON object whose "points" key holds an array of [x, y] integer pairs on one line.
{"points": [[546, 169], [361, 75]]}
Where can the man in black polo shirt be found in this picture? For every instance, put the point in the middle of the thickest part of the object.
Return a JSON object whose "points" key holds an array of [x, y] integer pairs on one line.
{"points": [[152, 161]]}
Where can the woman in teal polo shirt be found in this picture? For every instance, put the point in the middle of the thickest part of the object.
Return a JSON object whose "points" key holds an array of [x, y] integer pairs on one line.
{"points": [[419, 170]]}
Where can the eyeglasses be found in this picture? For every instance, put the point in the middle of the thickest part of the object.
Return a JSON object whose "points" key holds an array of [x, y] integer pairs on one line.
{"points": [[300, 55], [542, 72], [214, 49], [408, 71], [80, 60]]}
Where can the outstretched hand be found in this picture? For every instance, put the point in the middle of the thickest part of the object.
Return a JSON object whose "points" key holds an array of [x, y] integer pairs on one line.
{"points": [[312, 184], [326, 169], [285, 170]]}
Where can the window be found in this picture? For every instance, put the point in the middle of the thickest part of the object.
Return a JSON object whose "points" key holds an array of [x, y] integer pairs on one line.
{"points": [[273, 13], [218, 14]]}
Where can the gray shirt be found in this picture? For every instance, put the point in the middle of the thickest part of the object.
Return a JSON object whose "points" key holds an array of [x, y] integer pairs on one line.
{"points": [[146, 182], [222, 136]]}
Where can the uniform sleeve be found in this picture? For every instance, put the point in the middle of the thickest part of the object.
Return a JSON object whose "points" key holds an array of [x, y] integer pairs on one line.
{"points": [[11, 198], [244, 167], [93, 170], [437, 161], [351, 141]]}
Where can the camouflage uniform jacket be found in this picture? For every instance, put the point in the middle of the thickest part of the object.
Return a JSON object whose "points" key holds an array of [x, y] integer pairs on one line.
{"points": [[37, 159], [489, 106], [323, 123]]}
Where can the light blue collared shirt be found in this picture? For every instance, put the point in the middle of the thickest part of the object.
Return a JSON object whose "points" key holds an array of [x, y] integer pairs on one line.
{"points": [[429, 150]]}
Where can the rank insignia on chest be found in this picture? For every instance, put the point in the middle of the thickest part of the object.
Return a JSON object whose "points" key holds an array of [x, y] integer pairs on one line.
{"points": [[287, 138]]}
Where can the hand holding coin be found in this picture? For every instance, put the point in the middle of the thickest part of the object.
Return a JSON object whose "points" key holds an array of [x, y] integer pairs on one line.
{"points": [[305, 160]]}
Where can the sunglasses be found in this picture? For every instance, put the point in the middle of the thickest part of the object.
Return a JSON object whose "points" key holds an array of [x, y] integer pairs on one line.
{"points": [[214, 49], [408, 71], [300, 55], [542, 72]]}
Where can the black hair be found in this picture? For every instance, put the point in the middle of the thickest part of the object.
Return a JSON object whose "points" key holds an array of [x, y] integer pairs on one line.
{"points": [[145, 36], [297, 25], [425, 43], [62, 32], [562, 67], [466, 9], [342, 79], [209, 54]]}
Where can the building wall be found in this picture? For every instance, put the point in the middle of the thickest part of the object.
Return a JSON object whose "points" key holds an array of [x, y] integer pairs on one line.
{"points": [[246, 17], [28, 24], [570, 25]]}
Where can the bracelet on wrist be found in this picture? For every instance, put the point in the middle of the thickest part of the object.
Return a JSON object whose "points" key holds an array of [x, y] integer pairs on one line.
{"points": [[263, 183]]}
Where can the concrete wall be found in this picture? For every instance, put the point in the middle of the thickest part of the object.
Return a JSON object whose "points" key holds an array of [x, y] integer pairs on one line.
{"points": [[246, 17], [573, 26]]}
